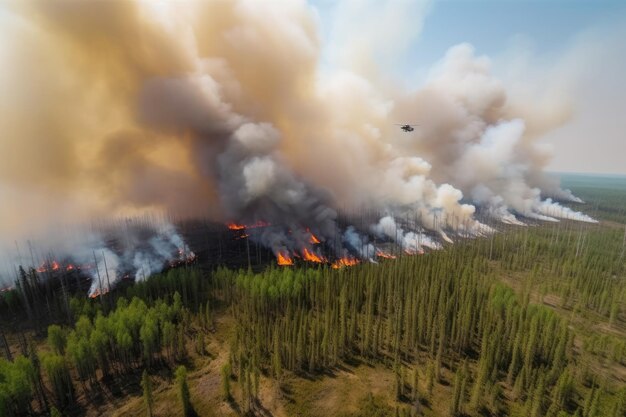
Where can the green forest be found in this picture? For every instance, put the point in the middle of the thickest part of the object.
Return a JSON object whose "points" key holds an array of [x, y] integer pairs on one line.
{"points": [[529, 321]]}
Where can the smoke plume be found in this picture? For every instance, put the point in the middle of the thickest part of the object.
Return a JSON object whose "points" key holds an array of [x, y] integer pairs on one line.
{"points": [[219, 109]]}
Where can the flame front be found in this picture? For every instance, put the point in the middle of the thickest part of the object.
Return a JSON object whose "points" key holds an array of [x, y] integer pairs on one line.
{"points": [[238, 226], [50, 266], [307, 255], [345, 261], [385, 255], [283, 259]]}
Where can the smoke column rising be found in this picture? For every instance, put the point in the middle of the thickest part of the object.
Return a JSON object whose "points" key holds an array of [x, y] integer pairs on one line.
{"points": [[220, 109]]}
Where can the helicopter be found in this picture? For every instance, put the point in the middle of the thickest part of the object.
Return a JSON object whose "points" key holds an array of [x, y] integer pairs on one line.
{"points": [[406, 128]]}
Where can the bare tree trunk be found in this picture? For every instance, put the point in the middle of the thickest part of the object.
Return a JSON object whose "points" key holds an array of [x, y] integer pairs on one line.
{"points": [[5, 344]]}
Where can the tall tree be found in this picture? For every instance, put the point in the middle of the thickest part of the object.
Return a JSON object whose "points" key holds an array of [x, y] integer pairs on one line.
{"points": [[183, 390], [146, 385]]}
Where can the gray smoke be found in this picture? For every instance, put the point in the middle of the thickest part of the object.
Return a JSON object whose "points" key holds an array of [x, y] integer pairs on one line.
{"points": [[133, 251], [132, 248], [220, 109]]}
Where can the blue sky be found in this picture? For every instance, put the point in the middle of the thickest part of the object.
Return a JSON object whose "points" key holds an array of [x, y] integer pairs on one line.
{"points": [[552, 31], [491, 25]]}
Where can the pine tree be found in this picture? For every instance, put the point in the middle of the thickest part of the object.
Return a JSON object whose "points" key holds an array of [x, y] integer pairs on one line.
{"points": [[183, 390], [56, 339], [455, 406], [146, 385], [276, 359], [58, 374]]}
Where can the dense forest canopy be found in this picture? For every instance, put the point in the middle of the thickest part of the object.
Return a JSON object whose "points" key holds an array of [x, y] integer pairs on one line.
{"points": [[527, 322]]}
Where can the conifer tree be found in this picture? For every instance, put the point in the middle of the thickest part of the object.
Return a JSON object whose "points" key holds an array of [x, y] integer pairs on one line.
{"points": [[146, 385], [183, 390], [56, 339]]}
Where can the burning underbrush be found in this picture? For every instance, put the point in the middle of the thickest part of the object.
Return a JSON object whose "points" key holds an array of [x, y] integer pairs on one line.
{"points": [[133, 250], [345, 241], [106, 255], [103, 278], [286, 153], [345, 246]]}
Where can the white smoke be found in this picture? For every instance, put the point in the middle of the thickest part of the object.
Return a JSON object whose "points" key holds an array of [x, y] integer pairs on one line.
{"points": [[104, 274], [411, 242], [221, 109], [474, 144], [133, 248], [359, 244], [138, 251]]}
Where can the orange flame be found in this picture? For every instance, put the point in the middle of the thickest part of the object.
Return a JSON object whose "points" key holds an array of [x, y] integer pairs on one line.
{"points": [[237, 226], [70, 267], [345, 261], [97, 293], [386, 255], [313, 239], [51, 266], [307, 255], [283, 259]]}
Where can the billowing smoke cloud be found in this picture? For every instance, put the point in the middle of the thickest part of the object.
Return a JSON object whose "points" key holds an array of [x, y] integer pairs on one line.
{"points": [[220, 109], [106, 253], [410, 242], [473, 142]]}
